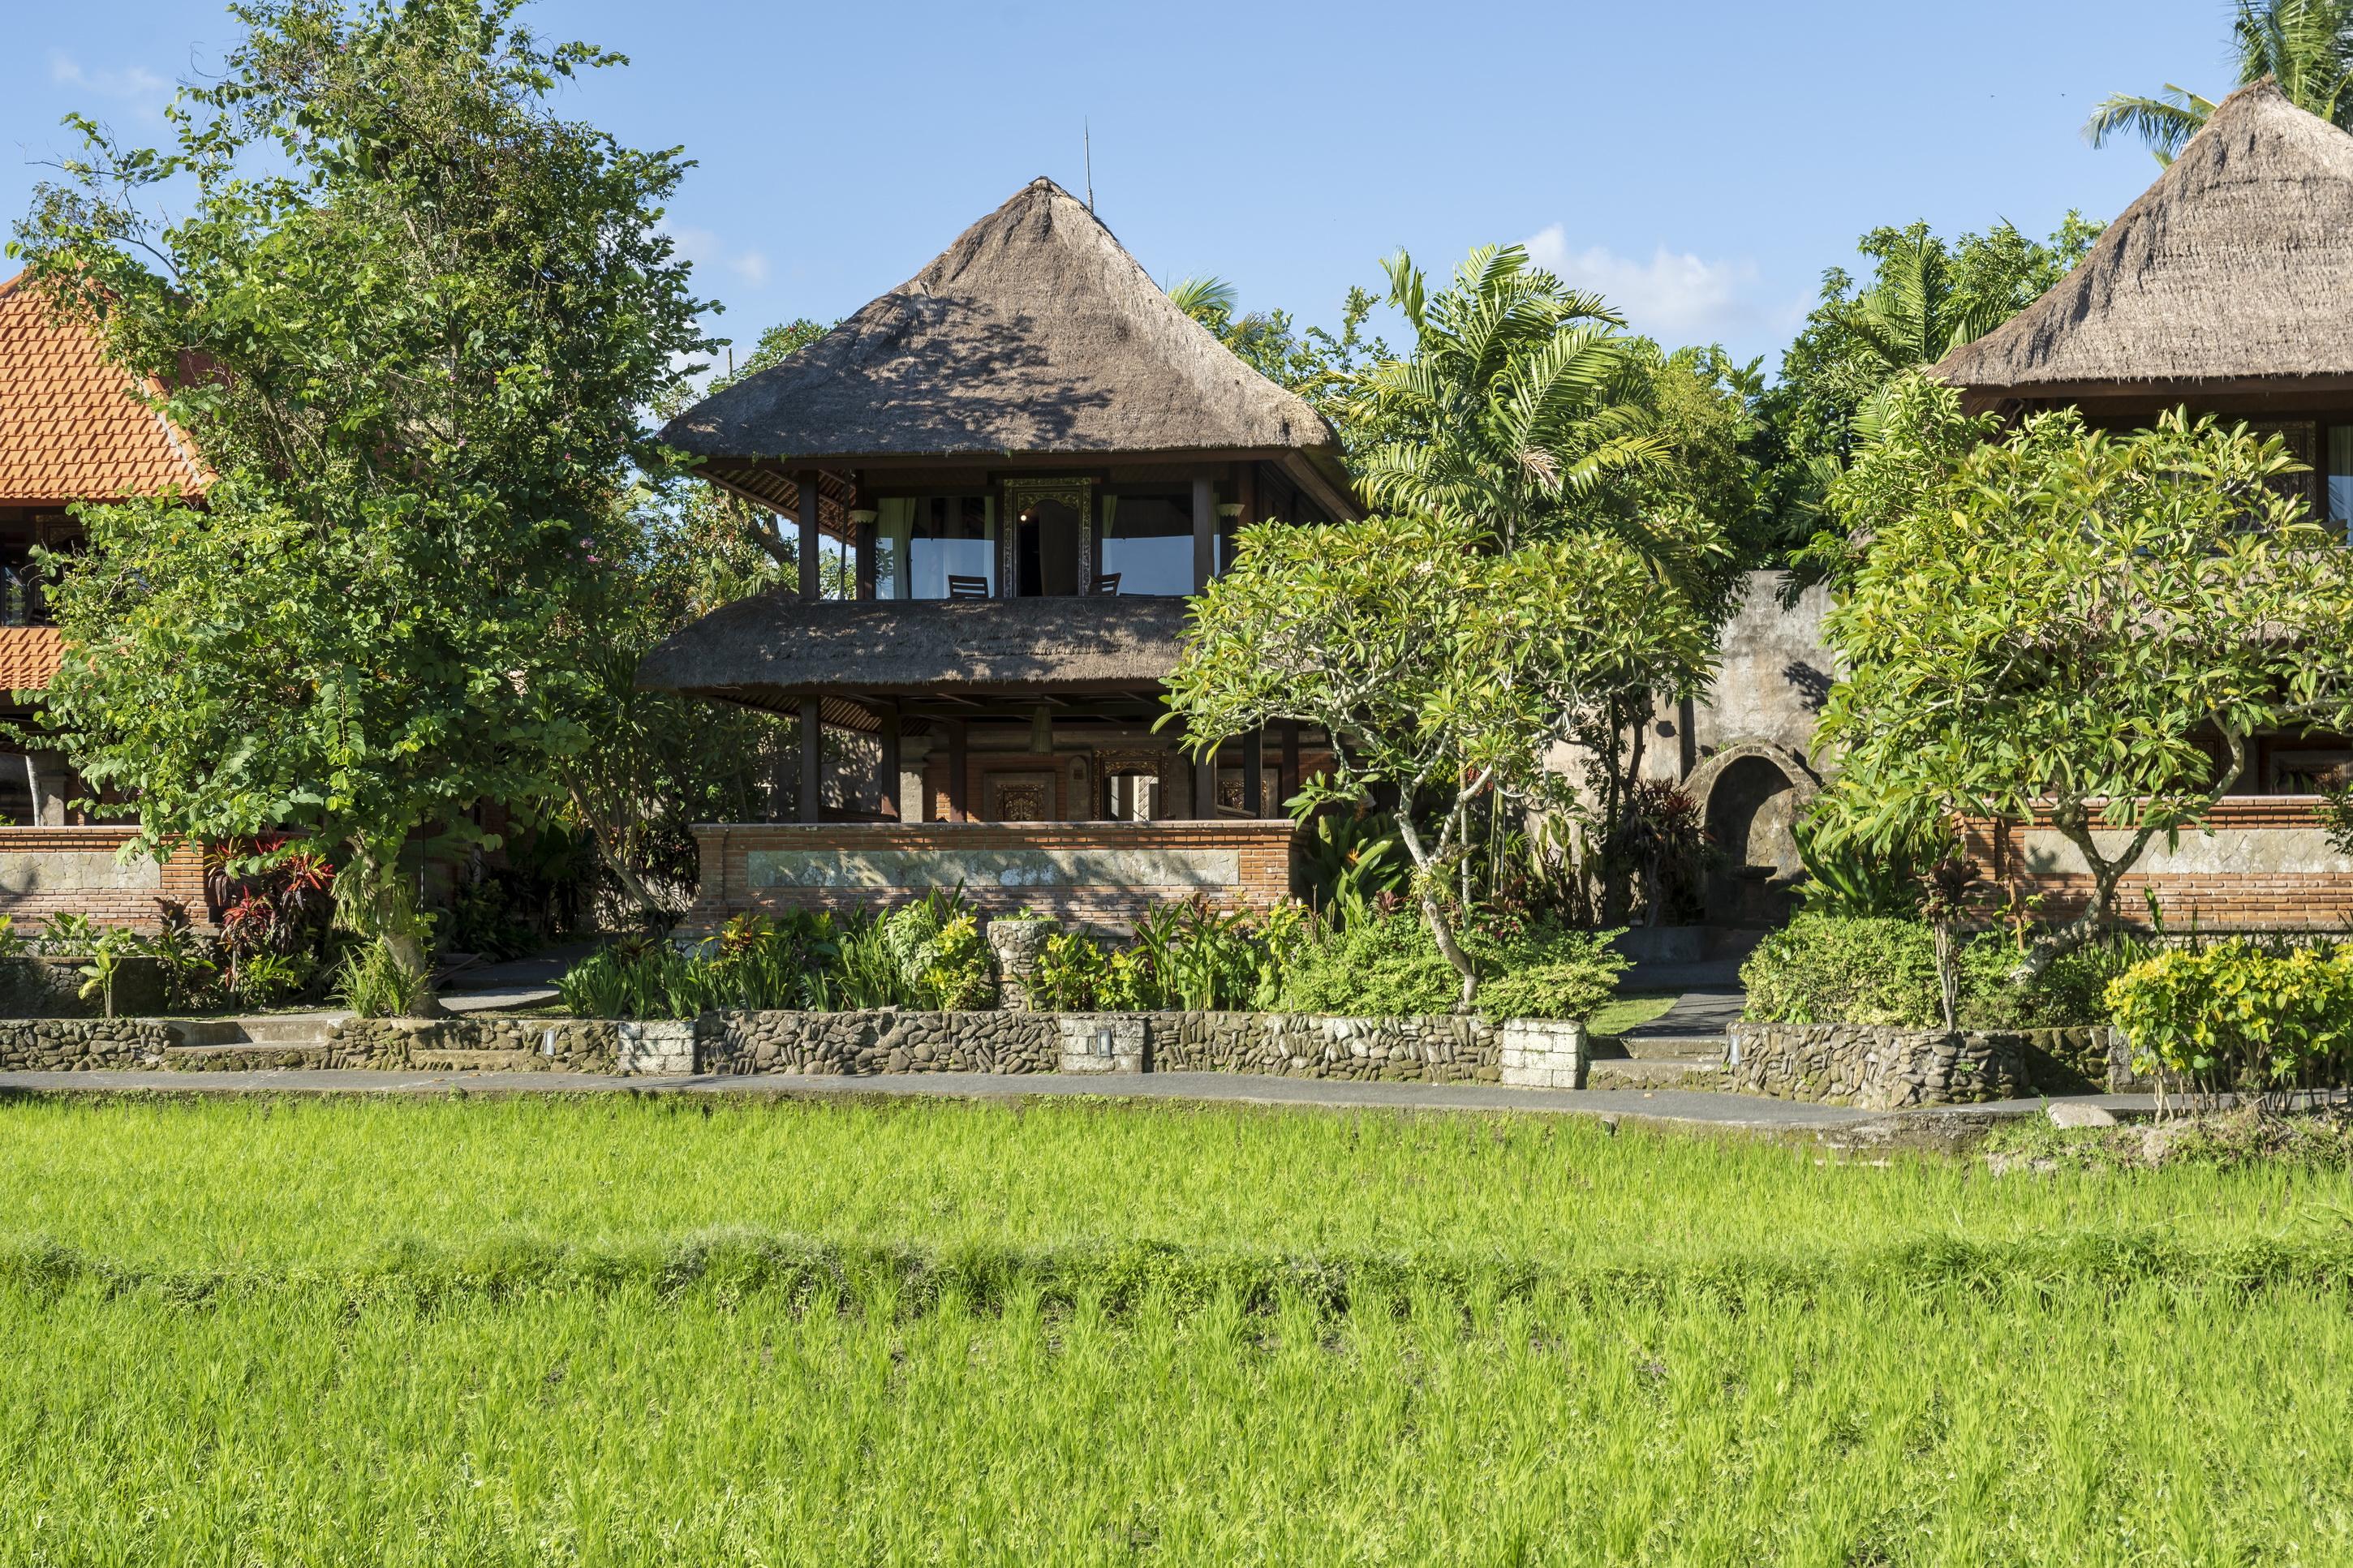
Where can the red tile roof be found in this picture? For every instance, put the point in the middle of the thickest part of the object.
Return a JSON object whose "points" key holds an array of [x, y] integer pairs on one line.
{"points": [[29, 656], [72, 426]]}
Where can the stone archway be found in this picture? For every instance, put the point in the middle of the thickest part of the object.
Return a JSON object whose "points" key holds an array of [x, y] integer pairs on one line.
{"points": [[1751, 795]]}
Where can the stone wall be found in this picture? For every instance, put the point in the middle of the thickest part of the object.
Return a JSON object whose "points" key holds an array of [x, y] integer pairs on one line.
{"points": [[2265, 865], [49, 986], [508, 1044], [1100, 873], [79, 1044], [76, 870], [881, 1041], [1876, 1067], [1443, 1049]]}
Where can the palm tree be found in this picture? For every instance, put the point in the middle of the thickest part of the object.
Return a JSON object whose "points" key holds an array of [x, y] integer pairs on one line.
{"points": [[1915, 313], [2307, 46], [1521, 396]]}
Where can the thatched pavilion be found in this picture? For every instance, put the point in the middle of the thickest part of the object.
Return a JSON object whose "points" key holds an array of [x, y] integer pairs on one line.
{"points": [[1028, 458], [2227, 289]]}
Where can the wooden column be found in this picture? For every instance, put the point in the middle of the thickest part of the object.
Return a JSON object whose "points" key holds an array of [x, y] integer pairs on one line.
{"points": [[1254, 773], [864, 535], [1246, 492], [956, 770], [812, 790], [1205, 788], [888, 766], [1287, 782], [805, 482], [1205, 532]]}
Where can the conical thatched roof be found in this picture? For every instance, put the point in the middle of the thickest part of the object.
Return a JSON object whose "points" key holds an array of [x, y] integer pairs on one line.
{"points": [[1034, 332], [2235, 265]]}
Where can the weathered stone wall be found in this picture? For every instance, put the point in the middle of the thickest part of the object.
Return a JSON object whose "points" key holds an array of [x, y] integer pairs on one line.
{"points": [[79, 1044], [1876, 1067], [510, 1045], [1443, 1049], [880, 1041], [49, 986]]}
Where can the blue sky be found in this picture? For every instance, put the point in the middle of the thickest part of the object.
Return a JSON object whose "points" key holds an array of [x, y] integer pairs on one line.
{"points": [[1701, 163]]}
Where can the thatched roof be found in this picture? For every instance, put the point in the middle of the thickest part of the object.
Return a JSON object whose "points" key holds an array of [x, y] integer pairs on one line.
{"points": [[775, 646], [2235, 267], [1036, 332]]}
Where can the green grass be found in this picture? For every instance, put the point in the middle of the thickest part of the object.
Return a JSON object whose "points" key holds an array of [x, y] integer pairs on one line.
{"points": [[1629, 1011], [650, 1331]]}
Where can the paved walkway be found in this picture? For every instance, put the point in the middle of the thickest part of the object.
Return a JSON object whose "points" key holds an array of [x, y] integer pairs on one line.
{"points": [[1685, 1108], [1697, 1014], [517, 983]]}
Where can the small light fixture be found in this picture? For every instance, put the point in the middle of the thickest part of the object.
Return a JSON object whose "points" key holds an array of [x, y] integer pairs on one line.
{"points": [[863, 516], [1229, 509]]}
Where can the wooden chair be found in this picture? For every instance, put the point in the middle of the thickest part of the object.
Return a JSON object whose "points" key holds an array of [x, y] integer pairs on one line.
{"points": [[1107, 583], [967, 587]]}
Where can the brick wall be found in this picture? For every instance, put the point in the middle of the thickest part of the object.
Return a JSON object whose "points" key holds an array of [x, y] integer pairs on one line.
{"points": [[2266, 866], [1098, 872], [66, 870]]}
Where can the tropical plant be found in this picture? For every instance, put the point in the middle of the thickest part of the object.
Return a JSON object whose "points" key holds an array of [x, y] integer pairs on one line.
{"points": [[1857, 880], [429, 313], [942, 959], [1452, 671], [2305, 45], [2083, 629], [1351, 858], [12, 941], [2232, 1016], [114, 945], [1521, 397]]}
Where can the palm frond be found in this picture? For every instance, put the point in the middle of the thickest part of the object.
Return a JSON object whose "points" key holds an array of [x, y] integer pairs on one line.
{"points": [[1202, 295], [2164, 125]]}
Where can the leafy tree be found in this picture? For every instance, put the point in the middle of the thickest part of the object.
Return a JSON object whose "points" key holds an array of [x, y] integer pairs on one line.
{"points": [[409, 320], [723, 521], [1923, 296], [2307, 46], [1317, 364], [1442, 669], [2089, 626]]}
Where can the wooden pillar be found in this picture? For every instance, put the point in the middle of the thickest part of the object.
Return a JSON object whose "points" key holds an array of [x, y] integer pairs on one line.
{"points": [[1254, 773], [805, 482], [812, 790], [1205, 788], [1246, 492], [1288, 778], [1205, 532], [956, 770], [888, 765], [862, 524]]}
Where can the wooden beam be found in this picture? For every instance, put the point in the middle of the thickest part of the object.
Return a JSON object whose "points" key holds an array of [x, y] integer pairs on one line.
{"points": [[957, 768], [888, 712], [1254, 773], [812, 790], [1205, 532], [806, 481]]}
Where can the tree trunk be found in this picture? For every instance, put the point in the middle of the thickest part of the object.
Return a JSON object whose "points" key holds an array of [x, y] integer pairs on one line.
{"points": [[1432, 913]]}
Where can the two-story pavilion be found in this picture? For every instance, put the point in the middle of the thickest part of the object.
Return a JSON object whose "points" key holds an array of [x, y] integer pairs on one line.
{"points": [[1029, 459], [2226, 288]]}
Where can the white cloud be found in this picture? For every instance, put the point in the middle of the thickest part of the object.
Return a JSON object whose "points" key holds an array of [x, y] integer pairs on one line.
{"points": [[1674, 296], [132, 84], [706, 250]]}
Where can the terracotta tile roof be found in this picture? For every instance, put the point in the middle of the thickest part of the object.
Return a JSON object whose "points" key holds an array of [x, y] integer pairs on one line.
{"points": [[71, 427], [29, 656]]}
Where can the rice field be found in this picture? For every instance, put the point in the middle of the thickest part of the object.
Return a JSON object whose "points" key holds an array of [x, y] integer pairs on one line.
{"points": [[625, 1332]]}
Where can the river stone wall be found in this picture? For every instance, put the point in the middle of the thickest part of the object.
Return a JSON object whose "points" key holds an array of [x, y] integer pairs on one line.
{"points": [[508, 1044], [1876, 1067], [1437, 1049], [881, 1040], [79, 1044]]}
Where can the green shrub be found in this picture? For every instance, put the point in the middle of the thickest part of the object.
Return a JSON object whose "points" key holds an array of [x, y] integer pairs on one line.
{"points": [[374, 983], [1375, 966], [1550, 972], [942, 960], [2233, 1016], [1844, 969], [1070, 973]]}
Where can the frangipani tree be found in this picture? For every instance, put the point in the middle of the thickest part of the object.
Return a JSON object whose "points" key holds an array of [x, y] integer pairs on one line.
{"points": [[1440, 667], [2078, 627]]}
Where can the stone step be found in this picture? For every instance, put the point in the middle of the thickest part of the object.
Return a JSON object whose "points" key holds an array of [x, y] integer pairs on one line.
{"points": [[300, 1026], [1623, 1072], [247, 1056], [1674, 1047]]}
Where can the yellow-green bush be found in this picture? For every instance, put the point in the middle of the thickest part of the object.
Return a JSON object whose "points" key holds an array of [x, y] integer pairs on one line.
{"points": [[2234, 1016]]}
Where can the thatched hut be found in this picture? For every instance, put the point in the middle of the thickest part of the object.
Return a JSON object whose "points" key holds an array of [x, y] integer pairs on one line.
{"points": [[1026, 457], [2224, 289]]}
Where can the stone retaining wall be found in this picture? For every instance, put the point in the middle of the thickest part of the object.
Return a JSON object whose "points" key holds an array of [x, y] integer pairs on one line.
{"points": [[79, 1044], [880, 1041], [518, 1045], [1877, 1067], [1441, 1050]]}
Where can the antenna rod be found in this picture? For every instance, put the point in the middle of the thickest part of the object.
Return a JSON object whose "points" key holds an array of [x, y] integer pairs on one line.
{"points": [[1087, 131]]}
